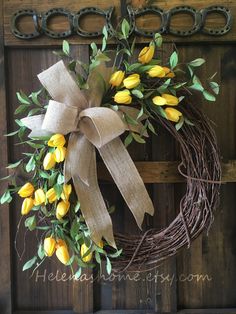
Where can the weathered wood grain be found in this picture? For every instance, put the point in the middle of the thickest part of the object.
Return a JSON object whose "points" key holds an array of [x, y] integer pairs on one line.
{"points": [[92, 22], [167, 172], [5, 260]]}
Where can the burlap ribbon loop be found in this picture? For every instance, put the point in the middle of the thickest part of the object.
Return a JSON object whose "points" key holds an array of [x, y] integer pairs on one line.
{"points": [[79, 113]]}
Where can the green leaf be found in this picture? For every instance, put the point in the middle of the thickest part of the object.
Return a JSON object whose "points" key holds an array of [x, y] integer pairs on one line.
{"points": [[215, 87], [173, 60], [66, 47], [58, 189], [137, 93], [41, 252], [116, 254], [179, 125], [164, 86], [23, 99], [125, 28], [128, 140], [158, 39], [30, 263], [105, 32], [74, 230], [60, 179], [98, 258], [104, 43], [187, 121], [94, 49], [197, 62], [12, 133], [16, 164], [44, 175], [77, 207], [21, 109], [108, 266], [102, 57], [197, 86], [130, 120], [78, 273], [138, 138], [6, 197], [133, 67], [151, 128], [52, 179], [208, 96], [30, 166], [30, 222]]}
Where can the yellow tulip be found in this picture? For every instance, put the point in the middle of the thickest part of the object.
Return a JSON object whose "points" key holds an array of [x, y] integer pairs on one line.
{"points": [[123, 97], [168, 72], [59, 154], [49, 161], [61, 242], [117, 78], [62, 252], [146, 54], [170, 99], [49, 246], [83, 250], [132, 81], [173, 114], [67, 189], [159, 101], [157, 71], [39, 197], [27, 205], [57, 140], [51, 195], [26, 190], [62, 209], [100, 244]]}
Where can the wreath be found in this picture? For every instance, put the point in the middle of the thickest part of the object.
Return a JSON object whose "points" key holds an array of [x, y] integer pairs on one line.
{"points": [[83, 108]]}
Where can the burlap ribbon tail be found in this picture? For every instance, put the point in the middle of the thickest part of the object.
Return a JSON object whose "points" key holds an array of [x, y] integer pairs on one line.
{"points": [[78, 113]]}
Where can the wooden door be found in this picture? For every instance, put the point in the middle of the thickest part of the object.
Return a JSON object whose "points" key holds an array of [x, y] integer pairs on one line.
{"points": [[198, 280]]}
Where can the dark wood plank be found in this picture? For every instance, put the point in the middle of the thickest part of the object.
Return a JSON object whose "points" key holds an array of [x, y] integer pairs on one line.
{"points": [[93, 23], [167, 172], [186, 311], [5, 260], [214, 255], [90, 23]]}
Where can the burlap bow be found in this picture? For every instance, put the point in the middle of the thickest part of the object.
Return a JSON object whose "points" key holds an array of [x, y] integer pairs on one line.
{"points": [[79, 113]]}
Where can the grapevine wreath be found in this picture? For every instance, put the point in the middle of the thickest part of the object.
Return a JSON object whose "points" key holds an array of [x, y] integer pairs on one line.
{"points": [[81, 107]]}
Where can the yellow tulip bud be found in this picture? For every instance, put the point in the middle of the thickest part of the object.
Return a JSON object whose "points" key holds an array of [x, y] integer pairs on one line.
{"points": [[159, 101], [168, 72], [57, 140], [59, 154], [170, 99], [123, 97], [49, 246], [62, 252], [27, 205], [146, 54], [26, 190], [62, 209], [51, 195], [61, 242], [100, 244], [49, 161], [67, 189], [157, 71], [117, 78], [83, 250], [132, 81], [39, 197], [173, 114]]}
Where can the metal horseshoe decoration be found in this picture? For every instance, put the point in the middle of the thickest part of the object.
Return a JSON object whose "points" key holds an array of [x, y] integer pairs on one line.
{"points": [[41, 21]]}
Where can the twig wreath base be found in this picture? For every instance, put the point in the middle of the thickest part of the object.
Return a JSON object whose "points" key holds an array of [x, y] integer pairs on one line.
{"points": [[200, 165]]}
